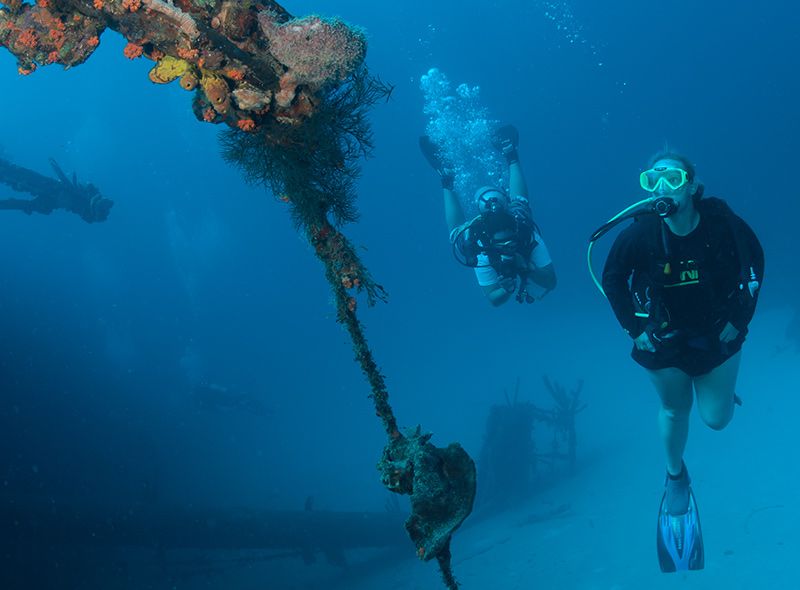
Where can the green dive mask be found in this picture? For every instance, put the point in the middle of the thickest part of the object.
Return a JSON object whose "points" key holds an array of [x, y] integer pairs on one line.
{"points": [[672, 178]]}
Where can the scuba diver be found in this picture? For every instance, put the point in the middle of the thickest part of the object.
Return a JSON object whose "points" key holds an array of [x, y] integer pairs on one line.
{"points": [[49, 194], [502, 243], [683, 281]]}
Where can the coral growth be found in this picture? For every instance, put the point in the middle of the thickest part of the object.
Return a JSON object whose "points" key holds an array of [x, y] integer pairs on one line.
{"points": [[315, 52], [189, 80], [248, 61], [185, 23], [188, 53], [331, 245], [27, 39], [246, 124], [133, 51], [234, 74], [168, 69], [205, 3], [209, 115], [235, 20], [216, 90], [39, 35], [249, 98], [131, 5]]}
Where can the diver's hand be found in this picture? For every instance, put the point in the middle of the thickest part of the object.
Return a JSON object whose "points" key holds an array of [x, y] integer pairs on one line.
{"points": [[729, 333], [521, 264], [643, 342], [508, 283]]}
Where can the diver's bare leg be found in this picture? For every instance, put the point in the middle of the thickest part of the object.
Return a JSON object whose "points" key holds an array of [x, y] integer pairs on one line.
{"points": [[674, 387], [453, 212], [715, 391]]}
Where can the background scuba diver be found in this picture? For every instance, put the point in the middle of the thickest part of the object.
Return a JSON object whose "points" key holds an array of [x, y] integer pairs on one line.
{"points": [[502, 243], [695, 271]]}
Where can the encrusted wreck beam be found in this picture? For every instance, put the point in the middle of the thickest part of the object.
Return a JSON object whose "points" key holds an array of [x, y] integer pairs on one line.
{"points": [[249, 64]]}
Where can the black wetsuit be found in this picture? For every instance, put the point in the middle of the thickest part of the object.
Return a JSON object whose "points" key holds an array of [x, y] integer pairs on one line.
{"points": [[690, 285]]}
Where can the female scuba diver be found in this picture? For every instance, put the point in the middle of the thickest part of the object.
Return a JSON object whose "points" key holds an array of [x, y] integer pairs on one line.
{"points": [[502, 243], [683, 282]]}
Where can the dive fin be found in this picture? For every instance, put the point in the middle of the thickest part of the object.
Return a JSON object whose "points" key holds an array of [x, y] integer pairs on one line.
{"points": [[679, 539], [507, 135], [59, 172], [431, 153]]}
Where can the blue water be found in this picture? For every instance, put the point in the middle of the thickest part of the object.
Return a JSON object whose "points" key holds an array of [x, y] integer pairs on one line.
{"points": [[198, 277]]}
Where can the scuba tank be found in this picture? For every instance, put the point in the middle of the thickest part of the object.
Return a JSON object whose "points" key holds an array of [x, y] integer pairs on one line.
{"points": [[646, 287], [502, 234], [497, 234]]}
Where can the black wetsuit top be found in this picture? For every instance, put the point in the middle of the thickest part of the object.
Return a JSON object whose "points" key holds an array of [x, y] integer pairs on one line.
{"points": [[694, 281]]}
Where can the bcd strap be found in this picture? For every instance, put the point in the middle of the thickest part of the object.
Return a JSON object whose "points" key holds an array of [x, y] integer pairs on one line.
{"points": [[749, 282], [661, 269]]}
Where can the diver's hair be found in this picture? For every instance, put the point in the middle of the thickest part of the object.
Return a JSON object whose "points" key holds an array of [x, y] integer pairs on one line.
{"points": [[668, 153], [488, 189]]}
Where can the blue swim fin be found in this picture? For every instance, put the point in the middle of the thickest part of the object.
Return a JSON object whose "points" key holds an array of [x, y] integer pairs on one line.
{"points": [[679, 539]]}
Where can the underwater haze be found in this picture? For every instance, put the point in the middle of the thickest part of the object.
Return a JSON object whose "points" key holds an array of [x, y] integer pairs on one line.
{"points": [[185, 354]]}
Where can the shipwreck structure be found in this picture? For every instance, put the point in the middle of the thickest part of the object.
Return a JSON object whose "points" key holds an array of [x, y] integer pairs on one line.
{"points": [[510, 460], [179, 540], [294, 95]]}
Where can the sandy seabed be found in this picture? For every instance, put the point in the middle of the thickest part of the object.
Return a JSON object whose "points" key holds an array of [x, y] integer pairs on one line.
{"points": [[744, 479]]}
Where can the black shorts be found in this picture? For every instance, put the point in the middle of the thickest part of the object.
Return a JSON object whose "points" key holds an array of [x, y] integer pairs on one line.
{"points": [[694, 356]]}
